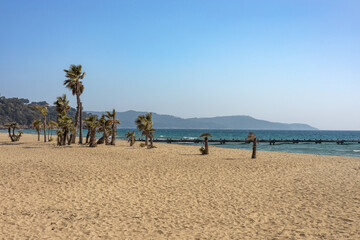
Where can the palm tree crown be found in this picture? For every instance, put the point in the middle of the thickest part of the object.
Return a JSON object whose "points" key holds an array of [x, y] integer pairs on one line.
{"points": [[74, 75]]}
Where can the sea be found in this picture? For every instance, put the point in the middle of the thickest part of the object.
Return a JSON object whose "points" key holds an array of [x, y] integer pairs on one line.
{"points": [[347, 149]]}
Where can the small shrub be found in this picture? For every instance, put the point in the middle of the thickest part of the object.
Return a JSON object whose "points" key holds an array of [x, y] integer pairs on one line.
{"points": [[151, 146], [202, 150], [51, 139], [142, 145]]}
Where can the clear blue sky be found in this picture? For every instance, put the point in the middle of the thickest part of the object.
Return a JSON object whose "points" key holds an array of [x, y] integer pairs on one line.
{"points": [[286, 61]]}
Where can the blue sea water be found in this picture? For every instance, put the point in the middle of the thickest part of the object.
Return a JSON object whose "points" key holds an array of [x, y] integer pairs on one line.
{"points": [[348, 149]]}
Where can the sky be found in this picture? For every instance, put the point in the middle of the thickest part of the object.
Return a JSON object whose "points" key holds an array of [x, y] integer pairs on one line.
{"points": [[285, 61]]}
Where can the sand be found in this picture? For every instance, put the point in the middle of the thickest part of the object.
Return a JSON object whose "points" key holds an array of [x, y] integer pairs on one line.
{"points": [[173, 192]]}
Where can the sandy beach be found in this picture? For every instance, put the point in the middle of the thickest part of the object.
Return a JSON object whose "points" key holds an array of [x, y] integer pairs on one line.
{"points": [[173, 192]]}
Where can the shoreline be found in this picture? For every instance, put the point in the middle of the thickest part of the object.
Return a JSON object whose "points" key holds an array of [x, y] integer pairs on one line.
{"points": [[222, 147]]}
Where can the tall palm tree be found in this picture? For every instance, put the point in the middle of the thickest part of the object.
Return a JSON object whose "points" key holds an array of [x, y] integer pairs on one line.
{"points": [[145, 124], [43, 110], [114, 122], [131, 137], [104, 126], [252, 138], [37, 125], [206, 143], [74, 76]]}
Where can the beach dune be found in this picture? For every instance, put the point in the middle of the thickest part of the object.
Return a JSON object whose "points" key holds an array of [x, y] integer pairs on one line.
{"points": [[173, 192]]}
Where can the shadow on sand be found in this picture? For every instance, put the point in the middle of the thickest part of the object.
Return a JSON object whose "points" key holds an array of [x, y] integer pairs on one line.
{"points": [[11, 143]]}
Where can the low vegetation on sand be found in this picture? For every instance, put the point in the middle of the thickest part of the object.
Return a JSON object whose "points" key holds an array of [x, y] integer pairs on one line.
{"points": [[205, 150], [11, 129]]}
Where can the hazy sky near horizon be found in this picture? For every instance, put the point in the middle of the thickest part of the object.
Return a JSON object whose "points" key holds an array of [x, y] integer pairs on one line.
{"points": [[285, 61]]}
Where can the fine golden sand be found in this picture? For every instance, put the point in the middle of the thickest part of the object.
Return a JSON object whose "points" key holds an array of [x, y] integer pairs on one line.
{"points": [[172, 192]]}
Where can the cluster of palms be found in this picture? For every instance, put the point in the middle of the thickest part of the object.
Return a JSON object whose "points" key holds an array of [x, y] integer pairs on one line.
{"points": [[144, 124], [11, 129], [107, 124], [67, 127]]}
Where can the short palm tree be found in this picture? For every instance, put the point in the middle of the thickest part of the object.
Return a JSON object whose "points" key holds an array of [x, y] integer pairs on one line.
{"points": [[93, 124], [252, 138], [14, 137], [131, 137], [37, 125], [87, 121], [65, 127], [144, 124], [206, 143], [114, 122], [43, 110], [104, 127], [52, 125], [73, 82]]}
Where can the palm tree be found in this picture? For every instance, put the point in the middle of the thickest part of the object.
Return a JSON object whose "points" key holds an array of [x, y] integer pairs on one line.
{"points": [[206, 143], [74, 76], [252, 138], [114, 122], [104, 126], [37, 125], [131, 137], [145, 125], [87, 121], [62, 104], [43, 110], [14, 137], [93, 124], [52, 125], [65, 127]]}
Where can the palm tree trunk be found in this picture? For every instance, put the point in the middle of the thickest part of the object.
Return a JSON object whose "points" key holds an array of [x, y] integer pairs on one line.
{"points": [[254, 149], [113, 137], [38, 131], [106, 138], [80, 124], [206, 146], [146, 140], [93, 138], [87, 135], [76, 118], [45, 128], [11, 136], [64, 137]]}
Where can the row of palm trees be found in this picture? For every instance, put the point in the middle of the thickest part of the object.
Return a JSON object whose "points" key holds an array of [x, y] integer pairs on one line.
{"points": [[107, 124]]}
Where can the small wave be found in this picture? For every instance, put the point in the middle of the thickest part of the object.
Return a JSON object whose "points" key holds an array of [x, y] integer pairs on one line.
{"points": [[356, 150], [161, 136], [190, 138]]}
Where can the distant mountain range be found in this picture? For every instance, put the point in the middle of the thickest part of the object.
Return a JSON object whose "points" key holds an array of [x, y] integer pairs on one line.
{"points": [[227, 122]]}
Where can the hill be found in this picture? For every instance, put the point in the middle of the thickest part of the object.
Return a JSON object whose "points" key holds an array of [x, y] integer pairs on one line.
{"points": [[227, 122], [21, 110]]}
